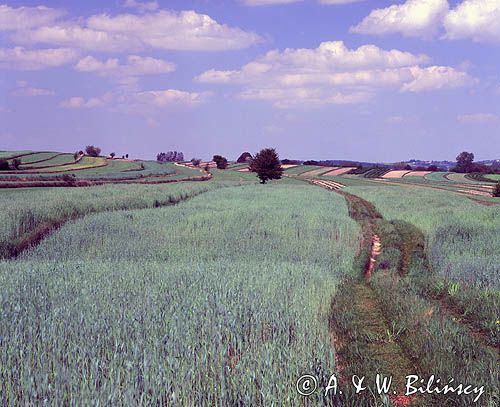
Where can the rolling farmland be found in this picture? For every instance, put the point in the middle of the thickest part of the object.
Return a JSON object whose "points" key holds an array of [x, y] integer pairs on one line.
{"points": [[113, 292], [131, 304], [51, 169], [250, 203]]}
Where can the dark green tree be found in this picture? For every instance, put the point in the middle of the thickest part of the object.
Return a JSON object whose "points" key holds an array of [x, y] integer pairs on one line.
{"points": [[93, 151], [220, 161], [267, 165], [464, 162]]}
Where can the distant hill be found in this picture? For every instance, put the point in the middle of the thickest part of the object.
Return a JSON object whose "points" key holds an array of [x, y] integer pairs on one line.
{"points": [[446, 165]]}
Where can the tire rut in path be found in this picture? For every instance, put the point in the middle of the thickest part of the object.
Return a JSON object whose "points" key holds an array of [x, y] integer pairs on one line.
{"points": [[377, 346]]}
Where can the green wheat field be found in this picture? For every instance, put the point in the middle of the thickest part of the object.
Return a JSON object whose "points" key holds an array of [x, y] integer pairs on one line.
{"points": [[224, 292]]}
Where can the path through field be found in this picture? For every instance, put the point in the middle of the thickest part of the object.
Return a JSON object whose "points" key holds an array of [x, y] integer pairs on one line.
{"points": [[373, 327], [368, 324]]}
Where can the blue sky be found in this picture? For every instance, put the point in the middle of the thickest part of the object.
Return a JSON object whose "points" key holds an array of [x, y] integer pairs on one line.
{"points": [[368, 80]]}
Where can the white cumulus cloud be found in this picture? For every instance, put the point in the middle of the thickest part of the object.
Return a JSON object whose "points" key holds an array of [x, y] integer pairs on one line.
{"points": [[167, 30], [135, 101], [134, 66], [334, 74], [478, 20], [414, 18], [437, 77], [23, 59], [14, 19]]}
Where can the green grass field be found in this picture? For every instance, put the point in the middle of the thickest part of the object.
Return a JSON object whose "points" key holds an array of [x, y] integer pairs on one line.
{"points": [[5, 155], [301, 169], [240, 288], [232, 297]]}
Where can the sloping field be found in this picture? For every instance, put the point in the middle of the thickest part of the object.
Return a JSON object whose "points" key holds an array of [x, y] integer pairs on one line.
{"points": [[52, 169], [482, 191], [318, 172], [417, 173], [469, 178], [338, 171], [456, 177], [446, 220], [237, 166], [82, 163], [211, 164], [27, 211], [494, 177], [374, 172], [13, 154], [114, 166], [437, 176], [396, 174], [148, 280], [38, 157], [300, 169]]}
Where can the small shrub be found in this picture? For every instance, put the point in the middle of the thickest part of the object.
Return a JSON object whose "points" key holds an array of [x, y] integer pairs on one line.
{"points": [[16, 163], [4, 165], [195, 161]]}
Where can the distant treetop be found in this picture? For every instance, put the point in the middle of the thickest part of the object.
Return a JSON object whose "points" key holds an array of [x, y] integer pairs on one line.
{"points": [[220, 161], [170, 156], [245, 157], [93, 151]]}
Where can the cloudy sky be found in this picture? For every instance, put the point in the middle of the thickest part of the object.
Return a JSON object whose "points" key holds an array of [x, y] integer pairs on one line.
{"points": [[354, 79]]}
